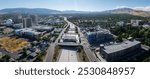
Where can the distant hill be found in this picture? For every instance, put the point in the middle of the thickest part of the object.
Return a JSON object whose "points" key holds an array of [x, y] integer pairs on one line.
{"points": [[37, 11], [50, 11], [73, 12], [29, 11], [128, 11]]}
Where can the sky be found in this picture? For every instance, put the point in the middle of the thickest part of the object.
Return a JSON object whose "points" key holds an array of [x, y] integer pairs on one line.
{"points": [[79, 5]]}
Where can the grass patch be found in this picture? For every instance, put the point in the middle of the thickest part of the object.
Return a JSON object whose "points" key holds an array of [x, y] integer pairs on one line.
{"points": [[82, 55], [56, 53]]}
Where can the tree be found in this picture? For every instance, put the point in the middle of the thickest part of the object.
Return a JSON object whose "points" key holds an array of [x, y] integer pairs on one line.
{"points": [[6, 58], [119, 38], [24, 52]]}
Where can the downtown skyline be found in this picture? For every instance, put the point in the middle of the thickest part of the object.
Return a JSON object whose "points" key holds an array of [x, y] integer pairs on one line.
{"points": [[78, 5]]}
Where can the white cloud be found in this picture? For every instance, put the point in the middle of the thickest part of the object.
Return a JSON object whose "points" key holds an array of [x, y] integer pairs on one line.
{"points": [[118, 7], [146, 8]]}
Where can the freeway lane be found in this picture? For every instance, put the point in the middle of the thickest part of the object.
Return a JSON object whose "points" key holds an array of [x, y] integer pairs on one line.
{"points": [[50, 53], [68, 55], [71, 54], [86, 46]]}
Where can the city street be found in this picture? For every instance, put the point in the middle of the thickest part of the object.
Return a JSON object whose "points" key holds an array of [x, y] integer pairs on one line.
{"points": [[51, 49]]}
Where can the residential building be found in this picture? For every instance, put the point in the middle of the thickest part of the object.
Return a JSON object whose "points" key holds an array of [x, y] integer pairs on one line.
{"points": [[135, 22], [100, 36], [120, 23]]}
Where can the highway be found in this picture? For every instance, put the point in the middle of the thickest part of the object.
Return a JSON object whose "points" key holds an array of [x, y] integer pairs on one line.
{"points": [[86, 46], [69, 53], [51, 48]]}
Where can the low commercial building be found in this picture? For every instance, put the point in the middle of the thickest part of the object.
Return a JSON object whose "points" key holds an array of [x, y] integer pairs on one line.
{"points": [[8, 22], [27, 32], [117, 52], [18, 26], [43, 28]]}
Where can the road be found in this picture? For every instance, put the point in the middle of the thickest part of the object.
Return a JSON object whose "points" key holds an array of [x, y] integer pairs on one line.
{"points": [[51, 48], [68, 55], [86, 46]]}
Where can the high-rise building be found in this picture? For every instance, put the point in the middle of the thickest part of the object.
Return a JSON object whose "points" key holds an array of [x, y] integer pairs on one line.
{"points": [[0, 19], [27, 22], [34, 19], [17, 18]]}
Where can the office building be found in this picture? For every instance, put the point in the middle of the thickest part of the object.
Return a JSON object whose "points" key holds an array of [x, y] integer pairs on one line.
{"points": [[0, 19], [117, 52], [27, 22], [34, 19]]}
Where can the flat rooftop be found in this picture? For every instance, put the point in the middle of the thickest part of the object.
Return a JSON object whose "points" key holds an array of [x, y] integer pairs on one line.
{"points": [[121, 46], [42, 27]]}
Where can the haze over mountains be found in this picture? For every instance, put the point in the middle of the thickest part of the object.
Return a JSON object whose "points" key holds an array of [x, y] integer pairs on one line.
{"points": [[50, 11]]}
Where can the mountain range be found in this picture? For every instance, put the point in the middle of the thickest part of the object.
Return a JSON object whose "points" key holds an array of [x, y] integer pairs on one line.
{"points": [[129, 11], [50, 11]]}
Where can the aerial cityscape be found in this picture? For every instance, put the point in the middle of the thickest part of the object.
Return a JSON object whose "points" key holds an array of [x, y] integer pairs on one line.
{"points": [[87, 31]]}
